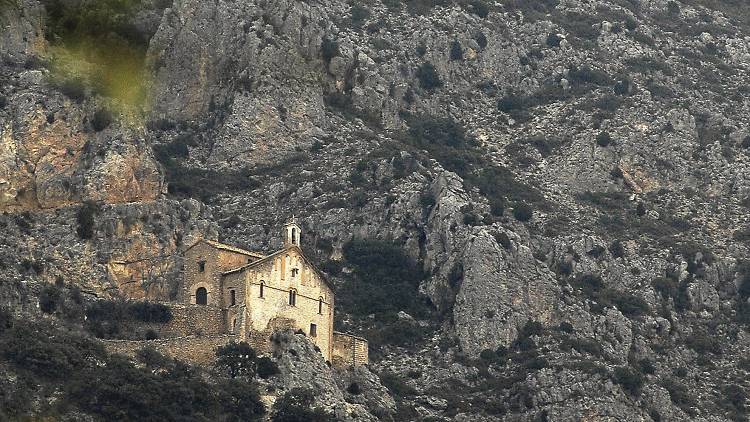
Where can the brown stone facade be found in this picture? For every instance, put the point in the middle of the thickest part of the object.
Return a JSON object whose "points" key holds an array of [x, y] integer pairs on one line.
{"points": [[349, 350]]}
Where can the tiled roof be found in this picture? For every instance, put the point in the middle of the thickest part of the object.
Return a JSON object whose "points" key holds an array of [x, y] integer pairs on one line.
{"points": [[224, 247]]}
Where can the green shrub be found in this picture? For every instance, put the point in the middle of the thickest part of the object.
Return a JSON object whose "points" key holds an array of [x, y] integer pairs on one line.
{"points": [[86, 219], [79, 373], [680, 395], [522, 212], [630, 305], [553, 40], [236, 359], [385, 280], [50, 298], [629, 379], [503, 240], [428, 77], [480, 8], [603, 139], [266, 368], [703, 343], [354, 389], [329, 49], [360, 14], [101, 120], [396, 385], [456, 52]]}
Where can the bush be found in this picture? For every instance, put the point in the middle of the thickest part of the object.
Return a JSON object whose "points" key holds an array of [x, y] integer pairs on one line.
{"points": [[503, 240], [457, 53], [480, 8], [329, 49], [354, 389], [553, 40], [616, 249], [80, 374], [603, 139], [85, 219], [236, 359], [101, 120], [50, 298], [703, 343], [396, 385], [151, 335], [630, 305], [428, 77], [385, 280], [680, 395], [295, 406], [522, 212], [266, 368], [359, 15], [630, 380]]}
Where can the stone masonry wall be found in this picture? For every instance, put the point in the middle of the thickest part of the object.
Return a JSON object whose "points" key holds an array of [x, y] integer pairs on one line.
{"points": [[192, 349], [349, 350], [191, 320]]}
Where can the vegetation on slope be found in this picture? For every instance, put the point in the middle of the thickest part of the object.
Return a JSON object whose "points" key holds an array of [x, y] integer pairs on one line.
{"points": [[53, 372]]}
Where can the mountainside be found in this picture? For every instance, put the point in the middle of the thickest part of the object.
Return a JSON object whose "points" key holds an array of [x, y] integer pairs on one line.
{"points": [[533, 210]]}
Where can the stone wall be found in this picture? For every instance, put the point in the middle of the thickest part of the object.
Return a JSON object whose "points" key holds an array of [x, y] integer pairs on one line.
{"points": [[192, 349], [349, 350], [193, 320]]}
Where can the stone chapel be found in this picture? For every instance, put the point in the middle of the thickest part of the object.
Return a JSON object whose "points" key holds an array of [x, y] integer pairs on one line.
{"points": [[258, 294]]}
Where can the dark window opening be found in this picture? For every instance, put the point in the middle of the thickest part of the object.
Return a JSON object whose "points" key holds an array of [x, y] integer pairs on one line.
{"points": [[295, 271], [294, 236], [202, 266], [262, 285], [293, 297], [313, 330], [320, 305], [201, 296], [232, 298]]}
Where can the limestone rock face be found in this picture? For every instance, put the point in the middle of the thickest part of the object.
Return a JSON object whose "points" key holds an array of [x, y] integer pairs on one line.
{"points": [[501, 290], [301, 366], [51, 157]]}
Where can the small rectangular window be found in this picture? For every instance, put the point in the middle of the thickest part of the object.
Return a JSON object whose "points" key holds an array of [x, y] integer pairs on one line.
{"points": [[232, 298], [202, 266], [313, 330], [292, 297]]}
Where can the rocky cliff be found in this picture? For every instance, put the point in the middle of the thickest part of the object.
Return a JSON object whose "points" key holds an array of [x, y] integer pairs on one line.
{"points": [[570, 177]]}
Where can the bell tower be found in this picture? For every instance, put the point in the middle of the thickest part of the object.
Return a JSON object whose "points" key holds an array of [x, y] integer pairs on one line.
{"points": [[292, 233]]}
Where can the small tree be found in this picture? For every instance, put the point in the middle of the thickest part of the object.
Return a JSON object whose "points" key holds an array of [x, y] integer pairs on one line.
{"points": [[237, 359], [50, 298], [266, 367], [457, 53], [85, 219], [630, 380], [522, 212], [296, 406], [603, 139], [428, 77]]}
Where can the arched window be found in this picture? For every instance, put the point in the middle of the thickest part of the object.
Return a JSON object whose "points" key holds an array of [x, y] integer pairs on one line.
{"points": [[201, 296], [293, 297], [262, 285], [320, 305], [201, 266], [232, 298]]}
